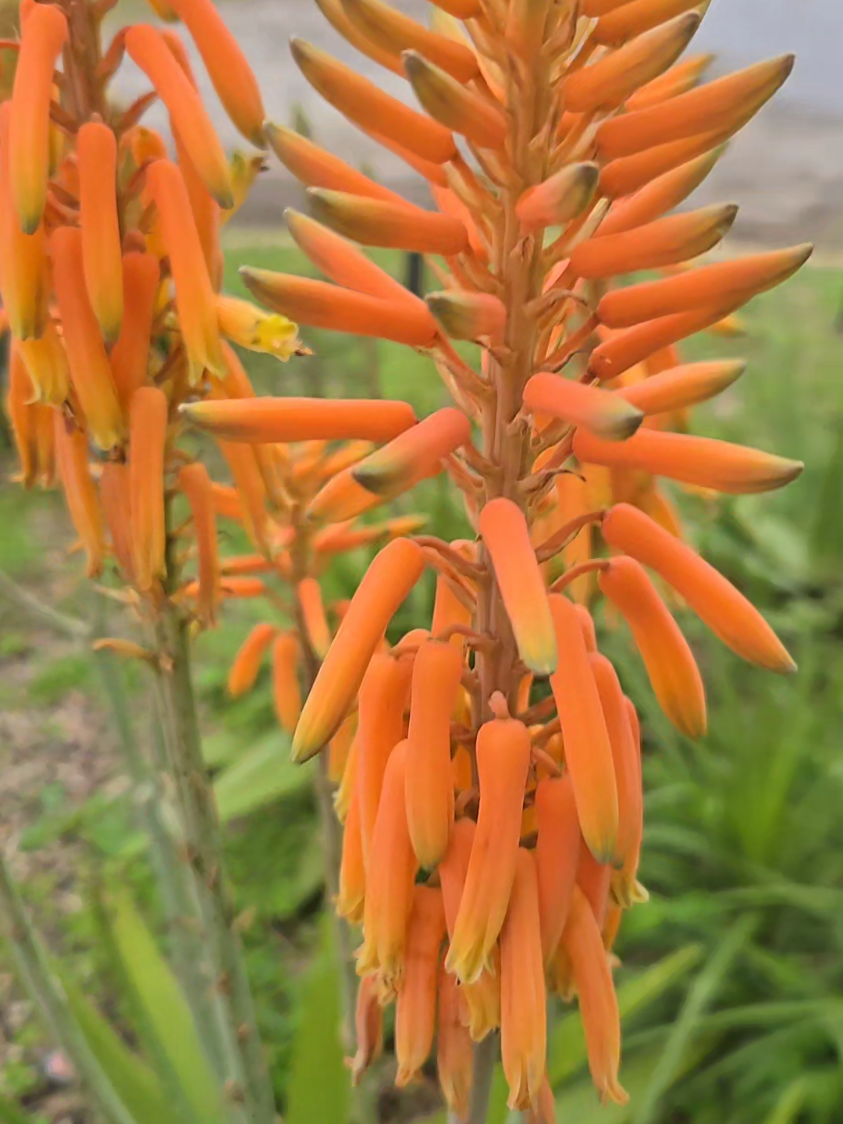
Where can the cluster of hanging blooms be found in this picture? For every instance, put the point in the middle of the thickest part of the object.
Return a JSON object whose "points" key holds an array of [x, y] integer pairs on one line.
{"points": [[491, 793], [111, 273]]}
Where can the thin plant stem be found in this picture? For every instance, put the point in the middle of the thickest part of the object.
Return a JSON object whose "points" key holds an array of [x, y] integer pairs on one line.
{"points": [[485, 1060], [40, 611], [33, 968]]}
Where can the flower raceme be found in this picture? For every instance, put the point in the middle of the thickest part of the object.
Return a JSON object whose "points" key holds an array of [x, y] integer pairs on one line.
{"points": [[557, 140]]}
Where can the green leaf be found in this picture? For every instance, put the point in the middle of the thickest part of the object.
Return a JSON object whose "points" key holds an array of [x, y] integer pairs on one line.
{"points": [[790, 1103], [11, 1114], [133, 1080], [701, 994], [319, 1085], [260, 776], [163, 1005]]}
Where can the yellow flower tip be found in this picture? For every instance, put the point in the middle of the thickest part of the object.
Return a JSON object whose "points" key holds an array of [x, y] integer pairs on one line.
{"points": [[469, 316], [560, 199], [257, 330]]}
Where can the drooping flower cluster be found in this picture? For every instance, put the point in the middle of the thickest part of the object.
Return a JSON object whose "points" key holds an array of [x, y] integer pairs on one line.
{"points": [[493, 826], [110, 274]]}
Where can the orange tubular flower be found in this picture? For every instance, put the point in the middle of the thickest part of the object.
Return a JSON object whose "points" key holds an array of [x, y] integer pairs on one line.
{"points": [[22, 256], [503, 757], [598, 1002], [389, 883], [195, 482], [147, 442], [101, 252], [352, 892], [115, 500], [369, 1029], [415, 1013], [226, 64], [380, 728], [670, 663], [437, 673], [559, 199], [680, 387], [414, 454], [46, 362], [286, 693], [660, 196], [666, 241], [42, 36], [130, 354], [507, 539], [195, 301], [386, 583], [453, 105], [625, 755], [79, 491], [367, 106], [90, 371], [636, 17], [557, 857], [455, 1050], [701, 461], [247, 662], [313, 612], [149, 50], [32, 425], [588, 751], [342, 310], [523, 999], [375, 222], [268, 420], [606, 414], [469, 316], [684, 76], [716, 601], [395, 32]]}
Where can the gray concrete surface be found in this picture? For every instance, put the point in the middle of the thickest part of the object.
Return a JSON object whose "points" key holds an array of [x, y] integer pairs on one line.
{"points": [[785, 169]]}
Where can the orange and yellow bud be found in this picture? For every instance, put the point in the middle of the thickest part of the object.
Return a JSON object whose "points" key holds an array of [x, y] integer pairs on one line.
{"points": [[670, 663], [557, 857], [663, 242], [724, 106], [660, 196], [523, 997], [588, 751], [352, 892], [598, 1003], [386, 583], [415, 454], [507, 539], [455, 1049], [23, 279], [625, 755], [449, 610], [286, 693], [342, 310], [577, 403], [96, 150], [251, 327], [637, 17], [251, 490], [437, 673], [380, 727], [195, 482], [680, 78], [700, 461], [227, 67], [624, 350], [453, 104], [115, 500], [727, 283], [376, 222], [46, 362], [503, 758], [43, 35], [390, 878], [335, 13], [560, 199], [395, 33], [362, 102], [313, 616], [90, 371], [469, 316], [628, 174], [148, 49], [270, 420], [32, 424], [606, 83], [195, 298], [368, 1024], [247, 662], [147, 445], [130, 354], [315, 167], [680, 387], [716, 601], [415, 1012], [80, 492]]}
